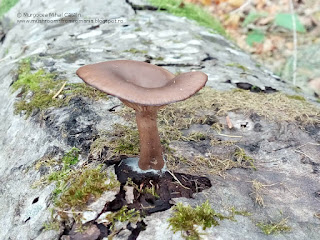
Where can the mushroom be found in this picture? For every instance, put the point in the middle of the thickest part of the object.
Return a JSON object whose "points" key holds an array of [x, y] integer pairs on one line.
{"points": [[145, 88]]}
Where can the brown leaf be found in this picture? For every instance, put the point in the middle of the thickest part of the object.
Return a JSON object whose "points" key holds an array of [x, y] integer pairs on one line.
{"points": [[233, 21]]}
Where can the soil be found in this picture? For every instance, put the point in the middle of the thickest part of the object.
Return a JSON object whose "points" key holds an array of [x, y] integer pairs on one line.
{"points": [[166, 188]]}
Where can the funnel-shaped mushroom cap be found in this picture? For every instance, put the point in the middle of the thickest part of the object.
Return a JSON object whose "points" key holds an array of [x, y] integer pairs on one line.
{"points": [[140, 82]]}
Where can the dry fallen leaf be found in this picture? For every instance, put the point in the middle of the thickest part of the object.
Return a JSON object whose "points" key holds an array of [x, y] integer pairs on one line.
{"points": [[232, 21], [206, 2], [236, 3]]}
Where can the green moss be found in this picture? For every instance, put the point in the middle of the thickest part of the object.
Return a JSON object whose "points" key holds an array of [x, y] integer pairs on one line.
{"points": [[71, 157], [203, 108], [82, 185], [6, 5], [126, 140], [296, 97], [61, 177], [274, 227], [28, 80], [190, 11], [75, 187], [54, 224], [196, 136], [238, 65], [273, 106], [122, 140], [99, 144], [151, 190], [186, 219], [43, 87], [123, 215], [46, 161], [81, 89], [136, 51], [241, 157], [235, 211]]}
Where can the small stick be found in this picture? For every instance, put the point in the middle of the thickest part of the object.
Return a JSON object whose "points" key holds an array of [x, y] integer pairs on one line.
{"points": [[298, 151], [225, 135], [72, 212], [177, 179], [60, 90], [315, 144]]}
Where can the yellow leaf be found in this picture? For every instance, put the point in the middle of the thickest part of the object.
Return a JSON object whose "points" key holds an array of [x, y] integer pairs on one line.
{"points": [[206, 2], [236, 3]]}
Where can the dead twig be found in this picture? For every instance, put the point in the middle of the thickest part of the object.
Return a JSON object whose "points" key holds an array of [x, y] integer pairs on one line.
{"points": [[72, 212], [175, 178], [306, 155], [60, 90], [258, 188], [225, 135]]}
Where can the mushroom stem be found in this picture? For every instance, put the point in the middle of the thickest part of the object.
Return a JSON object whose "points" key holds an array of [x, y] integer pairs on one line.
{"points": [[150, 146]]}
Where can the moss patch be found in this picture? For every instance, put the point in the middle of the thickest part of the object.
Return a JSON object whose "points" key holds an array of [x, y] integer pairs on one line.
{"points": [[216, 165], [123, 140], [203, 109], [241, 157], [151, 190], [76, 187], [191, 11], [80, 186], [274, 227], [123, 215], [189, 220], [38, 90], [273, 106], [6, 5], [296, 97], [238, 65]]}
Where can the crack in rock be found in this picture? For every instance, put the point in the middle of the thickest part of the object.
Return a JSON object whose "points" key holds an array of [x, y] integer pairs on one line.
{"points": [[136, 7]]}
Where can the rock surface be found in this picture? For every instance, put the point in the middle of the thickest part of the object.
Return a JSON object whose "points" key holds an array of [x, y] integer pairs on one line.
{"points": [[291, 177]]}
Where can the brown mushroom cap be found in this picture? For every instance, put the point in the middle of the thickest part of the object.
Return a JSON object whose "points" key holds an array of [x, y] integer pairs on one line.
{"points": [[141, 83]]}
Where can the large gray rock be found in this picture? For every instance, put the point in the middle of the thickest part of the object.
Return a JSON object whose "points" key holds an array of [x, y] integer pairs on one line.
{"points": [[164, 40]]}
